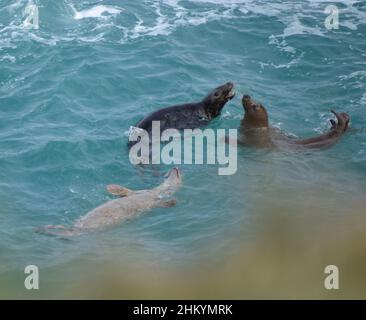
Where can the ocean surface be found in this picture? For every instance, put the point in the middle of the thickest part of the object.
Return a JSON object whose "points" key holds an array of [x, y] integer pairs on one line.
{"points": [[70, 90]]}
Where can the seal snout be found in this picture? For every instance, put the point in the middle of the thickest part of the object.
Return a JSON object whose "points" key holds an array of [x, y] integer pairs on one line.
{"points": [[246, 101], [230, 90], [174, 173]]}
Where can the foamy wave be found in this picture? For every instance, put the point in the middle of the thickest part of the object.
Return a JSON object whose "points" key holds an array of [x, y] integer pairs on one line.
{"points": [[166, 24], [295, 27], [99, 11], [355, 79], [363, 99], [290, 13], [166, 16], [360, 75], [288, 65], [8, 57]]}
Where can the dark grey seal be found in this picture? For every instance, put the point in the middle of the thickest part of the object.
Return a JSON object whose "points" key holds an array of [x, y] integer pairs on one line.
{"points": [[189, 115]]}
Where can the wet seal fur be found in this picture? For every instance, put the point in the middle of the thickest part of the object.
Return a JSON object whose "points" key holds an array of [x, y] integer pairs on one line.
{"points": [[255, 130], [129, 205], [189, 115]]}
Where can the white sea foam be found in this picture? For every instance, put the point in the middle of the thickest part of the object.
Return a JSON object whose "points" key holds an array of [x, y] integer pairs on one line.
{"points": [[99, 11], [298, 18], [360, 75], [295, 27], [355, 79], [363, 99], [288, 65], [166, 24], [8, 57]]}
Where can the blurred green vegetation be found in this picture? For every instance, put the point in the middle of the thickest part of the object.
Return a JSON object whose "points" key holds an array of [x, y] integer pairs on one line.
{"points": [[286, 261]]}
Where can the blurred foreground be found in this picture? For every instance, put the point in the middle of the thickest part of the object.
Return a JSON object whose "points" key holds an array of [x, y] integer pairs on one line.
{"points": [[287, 261]]}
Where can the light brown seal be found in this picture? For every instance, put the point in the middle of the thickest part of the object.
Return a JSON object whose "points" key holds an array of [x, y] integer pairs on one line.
{"points": [[255, 130]]}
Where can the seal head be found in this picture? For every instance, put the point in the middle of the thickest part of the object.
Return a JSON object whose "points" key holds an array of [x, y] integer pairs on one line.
{"points": [[173, 180], [173, 176], [217, 98], [256, 115]]}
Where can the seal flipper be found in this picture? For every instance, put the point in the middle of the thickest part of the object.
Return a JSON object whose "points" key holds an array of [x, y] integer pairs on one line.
{"points": [[334, 124], [342, 123], [59, 231], [117, 190]]}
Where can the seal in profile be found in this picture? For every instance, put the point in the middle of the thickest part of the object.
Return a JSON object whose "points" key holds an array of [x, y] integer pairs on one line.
{"points": [[255, 130], [189, 115], [128, 205]]}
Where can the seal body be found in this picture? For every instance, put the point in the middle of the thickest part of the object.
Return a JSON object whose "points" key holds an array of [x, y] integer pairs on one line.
{"points": [[129, 205], [119, 210], [255, 130], [189, 115]]}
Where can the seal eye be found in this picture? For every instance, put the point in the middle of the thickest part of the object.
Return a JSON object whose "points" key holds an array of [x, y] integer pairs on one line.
{"points": [[216, 94]]}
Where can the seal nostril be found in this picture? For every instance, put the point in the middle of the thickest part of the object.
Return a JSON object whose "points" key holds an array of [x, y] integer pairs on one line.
{"points": [[246, 97]]}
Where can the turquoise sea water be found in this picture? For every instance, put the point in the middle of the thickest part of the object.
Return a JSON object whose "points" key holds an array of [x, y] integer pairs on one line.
{"points": [[70, 90]]}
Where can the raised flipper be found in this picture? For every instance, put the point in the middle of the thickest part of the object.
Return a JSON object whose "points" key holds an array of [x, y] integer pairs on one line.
{"points": [[342, 121], [338, 128], [167, 203], [118, 190]]}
